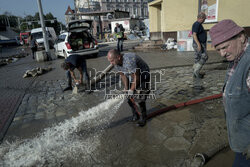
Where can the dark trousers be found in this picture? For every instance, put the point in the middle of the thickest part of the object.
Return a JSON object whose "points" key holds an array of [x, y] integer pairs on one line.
{"points": [[33, 50], [84, 71], [120, 44], [138, 104], [241, 161]]}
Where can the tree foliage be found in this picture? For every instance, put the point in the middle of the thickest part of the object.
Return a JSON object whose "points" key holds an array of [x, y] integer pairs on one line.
{"points": [[8, 20], [29, 22]]}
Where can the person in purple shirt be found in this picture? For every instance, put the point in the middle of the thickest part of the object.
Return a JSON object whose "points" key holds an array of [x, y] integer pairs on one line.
{"points": [[131, 65]]}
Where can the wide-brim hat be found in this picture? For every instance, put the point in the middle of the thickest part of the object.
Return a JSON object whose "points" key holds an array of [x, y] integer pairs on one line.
{"points": [[223, 31]]}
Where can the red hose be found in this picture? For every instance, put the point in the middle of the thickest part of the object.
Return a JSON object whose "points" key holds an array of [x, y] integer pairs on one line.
{"points": [[175, 106]]}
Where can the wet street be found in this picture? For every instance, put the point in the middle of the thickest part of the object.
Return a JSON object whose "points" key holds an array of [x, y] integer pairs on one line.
{"points": [[55, 128]]}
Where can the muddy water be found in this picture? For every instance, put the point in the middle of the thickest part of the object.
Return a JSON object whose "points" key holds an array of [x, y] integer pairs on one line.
{"points": [[63, 143]]}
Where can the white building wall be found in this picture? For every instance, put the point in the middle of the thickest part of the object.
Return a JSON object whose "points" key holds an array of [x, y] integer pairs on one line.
{"points": [[133, 6]]}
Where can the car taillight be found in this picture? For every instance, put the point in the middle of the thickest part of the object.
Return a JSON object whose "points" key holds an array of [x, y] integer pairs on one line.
{"points": [[91, 45], [86, 45], [67, 45]]}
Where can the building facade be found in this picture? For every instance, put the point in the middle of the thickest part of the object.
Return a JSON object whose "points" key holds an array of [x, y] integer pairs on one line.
{"points": [[136, 8], [69, 15], [102, 12], [167, 17]]}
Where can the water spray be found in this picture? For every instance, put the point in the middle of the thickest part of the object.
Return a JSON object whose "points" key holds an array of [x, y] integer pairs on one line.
{"points": [[59, 142]]}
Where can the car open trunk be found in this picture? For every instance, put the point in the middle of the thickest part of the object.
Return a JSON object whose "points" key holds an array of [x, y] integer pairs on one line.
{"points": [[80, 38], [78, 25]]}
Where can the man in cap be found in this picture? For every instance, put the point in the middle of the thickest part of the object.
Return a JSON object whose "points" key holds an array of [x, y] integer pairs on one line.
{"points": [[231, 42], [199, 44]]}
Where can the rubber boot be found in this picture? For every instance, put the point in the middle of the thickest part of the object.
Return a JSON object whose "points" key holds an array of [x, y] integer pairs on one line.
{"points": [[135, 115], [142, 121], [143, 117], [69, 87], [87, 87], [197, 67]]}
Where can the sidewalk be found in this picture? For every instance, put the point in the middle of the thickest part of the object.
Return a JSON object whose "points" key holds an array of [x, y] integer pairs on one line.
{"points": [[37, 103]]}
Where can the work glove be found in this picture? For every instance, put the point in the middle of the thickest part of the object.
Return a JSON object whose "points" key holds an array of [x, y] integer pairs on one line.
{"points": [[247, 152], [130, 92]]}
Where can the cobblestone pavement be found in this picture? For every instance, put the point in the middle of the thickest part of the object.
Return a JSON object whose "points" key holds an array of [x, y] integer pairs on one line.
{"points": [[173, 138], [170, 139], [12, 90]]}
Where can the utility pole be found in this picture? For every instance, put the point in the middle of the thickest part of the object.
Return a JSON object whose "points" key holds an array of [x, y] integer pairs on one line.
{"points": [[18, 22], [89, 8], [8, 20], [142, 9], [46, 44], [61, 27]]}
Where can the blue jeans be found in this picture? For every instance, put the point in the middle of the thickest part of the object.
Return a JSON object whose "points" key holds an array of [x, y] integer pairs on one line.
{"points": [[84, 71], [241, 161], [120, 44]]}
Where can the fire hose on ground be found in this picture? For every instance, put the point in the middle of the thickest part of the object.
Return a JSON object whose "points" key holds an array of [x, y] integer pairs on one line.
{"points": [[200, 158], [175, 106]]}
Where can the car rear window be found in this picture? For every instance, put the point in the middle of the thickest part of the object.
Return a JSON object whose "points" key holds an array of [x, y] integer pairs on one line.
{"points": [[79, 24], [61, 37], [38, 35]]}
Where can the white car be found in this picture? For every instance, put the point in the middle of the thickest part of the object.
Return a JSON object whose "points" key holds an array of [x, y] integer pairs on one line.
{"points": [[37, 33], [77, 40]]}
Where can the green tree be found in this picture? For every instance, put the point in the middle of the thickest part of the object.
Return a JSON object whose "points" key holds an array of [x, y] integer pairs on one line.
{"points": [[29, 22], [49, 16], [36, 16]]}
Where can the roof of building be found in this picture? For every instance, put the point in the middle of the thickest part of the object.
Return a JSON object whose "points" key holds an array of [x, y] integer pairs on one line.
{"points": [[69, 11], [100, 13]]}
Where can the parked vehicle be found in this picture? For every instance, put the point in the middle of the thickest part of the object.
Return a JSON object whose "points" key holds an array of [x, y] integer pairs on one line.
{"points": [[17, 38], [37, 33], [24, 38], [77, 40]]}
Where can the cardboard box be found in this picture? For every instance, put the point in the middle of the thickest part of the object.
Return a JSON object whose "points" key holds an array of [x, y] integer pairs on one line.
{"points": [[184, 41], [185, 45], [181, 46]]}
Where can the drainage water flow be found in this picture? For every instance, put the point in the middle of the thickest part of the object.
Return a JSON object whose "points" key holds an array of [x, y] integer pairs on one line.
{"points": [[71, 141]]}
